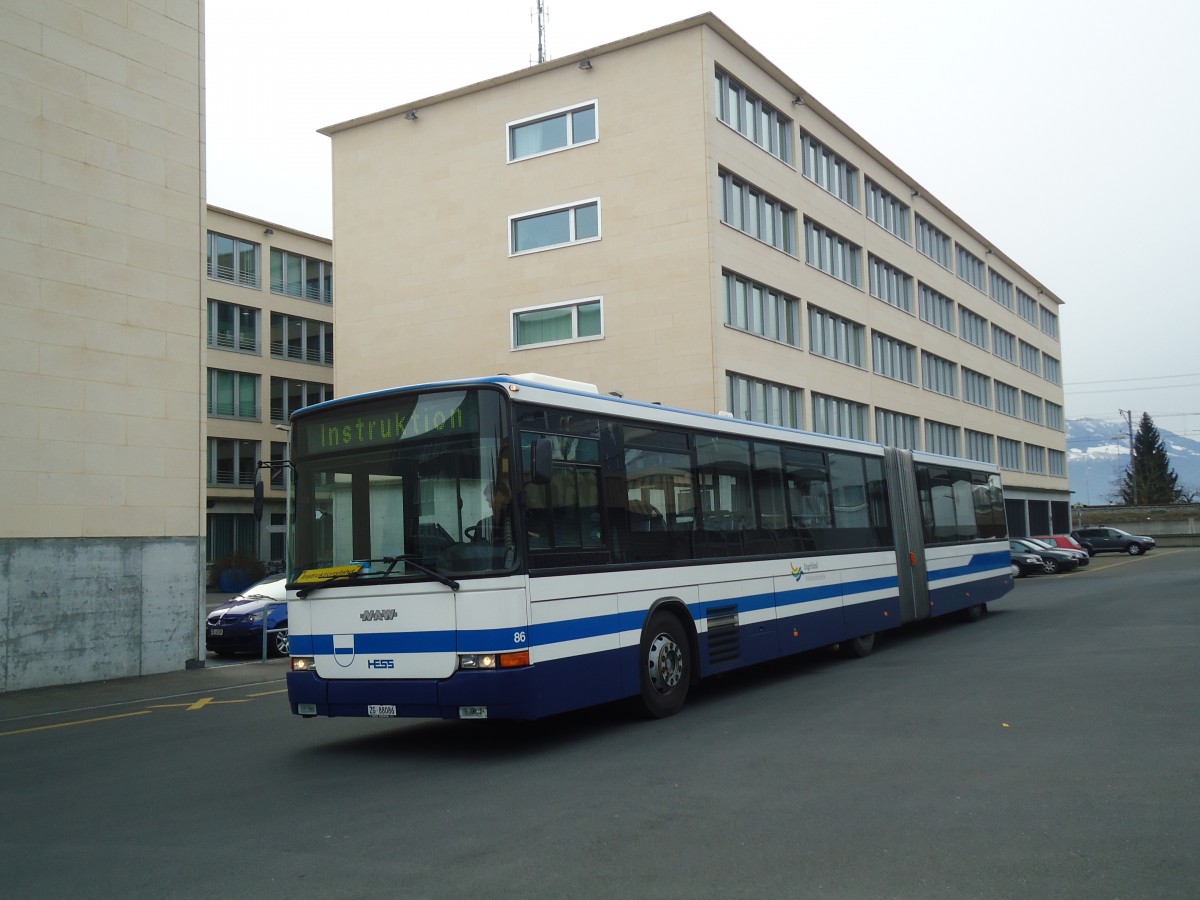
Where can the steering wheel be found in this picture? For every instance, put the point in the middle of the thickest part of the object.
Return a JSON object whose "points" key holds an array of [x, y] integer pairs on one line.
{"points": [[471, 531]]}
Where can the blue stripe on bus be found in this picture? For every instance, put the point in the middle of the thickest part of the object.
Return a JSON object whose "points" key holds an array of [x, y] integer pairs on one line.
{"points": [[977, 565], [491, 639]]}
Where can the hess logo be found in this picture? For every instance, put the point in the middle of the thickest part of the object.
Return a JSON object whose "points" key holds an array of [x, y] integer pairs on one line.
{"points": [[381, 664]]}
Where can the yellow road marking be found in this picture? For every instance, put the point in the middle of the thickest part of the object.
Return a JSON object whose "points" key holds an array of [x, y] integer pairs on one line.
{"points": [[142, 712], [199, 704], [269, 693]]}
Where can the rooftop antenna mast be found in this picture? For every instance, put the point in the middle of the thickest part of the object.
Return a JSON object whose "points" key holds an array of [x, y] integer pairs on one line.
{"points": [[541, 20]]}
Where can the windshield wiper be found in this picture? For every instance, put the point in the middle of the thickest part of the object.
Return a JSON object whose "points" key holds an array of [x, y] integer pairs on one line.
{"points": [[437, 576]]}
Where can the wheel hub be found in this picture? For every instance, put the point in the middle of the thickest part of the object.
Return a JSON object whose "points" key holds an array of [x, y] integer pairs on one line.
{"points": [[664, 663]]}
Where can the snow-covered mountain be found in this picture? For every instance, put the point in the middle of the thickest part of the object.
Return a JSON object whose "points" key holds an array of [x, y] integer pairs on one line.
{"points": [[1098, 450]]}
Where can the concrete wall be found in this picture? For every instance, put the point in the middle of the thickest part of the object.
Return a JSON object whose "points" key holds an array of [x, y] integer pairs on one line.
{"points": [[93, 609], [101, 366]]}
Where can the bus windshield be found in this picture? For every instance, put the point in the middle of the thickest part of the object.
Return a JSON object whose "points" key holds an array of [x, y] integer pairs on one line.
{"points": [[402, 486]]}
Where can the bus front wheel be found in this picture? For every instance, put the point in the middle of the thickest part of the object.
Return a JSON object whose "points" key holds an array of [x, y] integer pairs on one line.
{"points": [[666, 664], [857, 648]]}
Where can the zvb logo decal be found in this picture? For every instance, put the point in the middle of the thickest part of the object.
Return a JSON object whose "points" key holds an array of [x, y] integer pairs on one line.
{"points": [[343, 649], [797, 572]]}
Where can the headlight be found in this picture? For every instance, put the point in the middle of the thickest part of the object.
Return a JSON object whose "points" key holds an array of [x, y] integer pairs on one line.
{"points": [[254, 617], [304, 664], [477, 661]]}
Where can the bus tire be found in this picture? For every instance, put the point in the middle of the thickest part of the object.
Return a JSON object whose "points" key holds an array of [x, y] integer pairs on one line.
{"points": [[974, 612], [857, 648], [665, 660]]}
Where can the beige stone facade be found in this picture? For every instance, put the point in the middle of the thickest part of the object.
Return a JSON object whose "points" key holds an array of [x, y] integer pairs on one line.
{"points": [[101, 395], [429, 199], [269, 351]]}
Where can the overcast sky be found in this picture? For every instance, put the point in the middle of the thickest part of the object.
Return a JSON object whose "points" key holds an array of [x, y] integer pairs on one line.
{"points": [[1064, 131]]}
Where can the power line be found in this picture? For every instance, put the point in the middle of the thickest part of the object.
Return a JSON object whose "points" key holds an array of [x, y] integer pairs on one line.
{"points": [[1147, 378], [1121, 390]]}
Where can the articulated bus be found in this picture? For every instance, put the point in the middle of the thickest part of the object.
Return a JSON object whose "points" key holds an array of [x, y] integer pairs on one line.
{"points": [[515, 547]]}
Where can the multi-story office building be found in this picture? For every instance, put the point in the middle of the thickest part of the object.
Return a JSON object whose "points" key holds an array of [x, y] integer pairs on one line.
{"points": [[673, 217], [269, 352], [101, 422]]}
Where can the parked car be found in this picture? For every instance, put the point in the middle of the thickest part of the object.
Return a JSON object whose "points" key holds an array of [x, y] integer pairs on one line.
{"points": [[1053, 561], [1112, 540], [1062, 541], [1078, 554], [1025, 563], [237, 625]]}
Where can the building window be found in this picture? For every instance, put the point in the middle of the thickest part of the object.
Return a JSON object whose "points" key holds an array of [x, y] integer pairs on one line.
{"points": [[1049, 323], [1031, 408], [232, 395], [1051, 369], [557, 130], [836, 338], [230, 533], [973, 328], [1008, 399], [829, 170], [889, 284], [1035, 459], [933, 242], [941, 438], [754, 307], [833, 415], [558, 227], [1001, 288], [306, 340], [886, 211], [301, 276], [971, 269], [979, 445], [558, 324], [893, 359], [939, 375], [745, 112], [232, 259], [1004, 345], [764, 401], [977, 388], [232, 463], [232, 326], [291, 394], [832, 253], [936, 309], [897, 430], [1027, 307], [1057, 463], [1010, 454], [1031, 358], [1054, 416], [757, 214]]}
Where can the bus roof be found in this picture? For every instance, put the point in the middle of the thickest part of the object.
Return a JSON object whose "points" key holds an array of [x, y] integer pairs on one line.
{"points": [[586, 397]]}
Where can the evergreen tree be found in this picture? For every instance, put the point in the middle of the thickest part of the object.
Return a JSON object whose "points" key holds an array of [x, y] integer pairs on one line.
{"points": [[1149, 480]]}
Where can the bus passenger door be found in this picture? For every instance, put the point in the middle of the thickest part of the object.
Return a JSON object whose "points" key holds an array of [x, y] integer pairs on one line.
{"points": [[910, 543]]}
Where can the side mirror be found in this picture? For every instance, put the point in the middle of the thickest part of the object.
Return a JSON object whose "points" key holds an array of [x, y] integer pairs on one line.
{"points": [[258, 500], [541, 464]]}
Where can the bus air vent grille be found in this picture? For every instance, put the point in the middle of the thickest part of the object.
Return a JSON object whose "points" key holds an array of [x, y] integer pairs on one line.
{"points": [[724, 642]]}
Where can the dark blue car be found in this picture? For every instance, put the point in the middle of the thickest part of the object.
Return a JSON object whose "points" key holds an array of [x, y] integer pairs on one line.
{"points": [[237, 626]]}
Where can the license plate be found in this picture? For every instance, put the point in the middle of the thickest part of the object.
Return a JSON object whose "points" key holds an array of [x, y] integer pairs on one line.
{"points": [[216, 632], [381, 711]]}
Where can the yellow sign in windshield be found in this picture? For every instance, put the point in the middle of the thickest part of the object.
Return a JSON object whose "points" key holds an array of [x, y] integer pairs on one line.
{"points": [[309, 575]]}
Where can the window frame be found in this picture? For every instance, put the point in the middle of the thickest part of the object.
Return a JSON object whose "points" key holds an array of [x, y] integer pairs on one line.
{"points": [[573, 305], [572, 209], [567, 113]]}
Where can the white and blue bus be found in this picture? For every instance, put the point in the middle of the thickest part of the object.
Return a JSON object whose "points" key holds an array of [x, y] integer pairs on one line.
{"points": [[514, 547]]}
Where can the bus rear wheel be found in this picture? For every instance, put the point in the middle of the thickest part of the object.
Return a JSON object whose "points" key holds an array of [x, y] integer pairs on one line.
{"points": [[857, 648], [666, 665]]}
